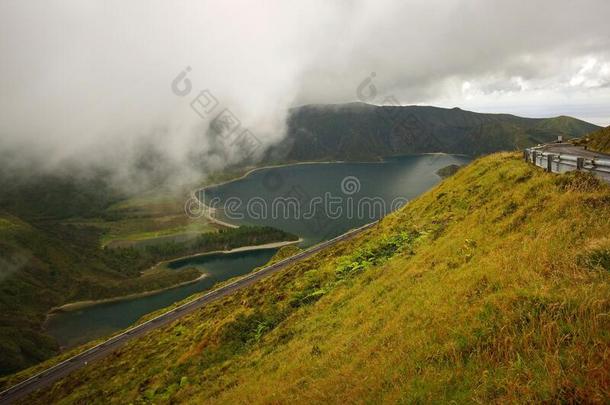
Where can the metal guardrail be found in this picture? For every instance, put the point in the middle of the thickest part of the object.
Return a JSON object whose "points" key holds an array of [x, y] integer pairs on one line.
{"points": [[565, 162]]}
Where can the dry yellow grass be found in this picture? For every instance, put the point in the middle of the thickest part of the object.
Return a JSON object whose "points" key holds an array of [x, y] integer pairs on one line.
{"points": [[492, 287]]}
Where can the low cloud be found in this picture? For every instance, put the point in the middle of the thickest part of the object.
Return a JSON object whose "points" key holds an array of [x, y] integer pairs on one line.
{"points": [[90, 82]]}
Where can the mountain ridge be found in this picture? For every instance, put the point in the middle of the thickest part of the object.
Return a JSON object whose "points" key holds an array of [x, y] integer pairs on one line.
{"points": [[360, 131]]}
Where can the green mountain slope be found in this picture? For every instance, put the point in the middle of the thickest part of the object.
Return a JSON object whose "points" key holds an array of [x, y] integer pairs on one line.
{"points": [[51, 229], [492, 287], [359, 131], [46, 262], [599, 140], [41, 268]]}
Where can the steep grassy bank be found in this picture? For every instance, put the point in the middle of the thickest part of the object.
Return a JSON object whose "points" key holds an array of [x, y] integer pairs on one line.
{"points": [[492, 287], [599, 140]]}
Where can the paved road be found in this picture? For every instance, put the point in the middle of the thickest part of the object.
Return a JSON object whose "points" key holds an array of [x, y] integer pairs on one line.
{"points": [[573, 150], [562, 158], [60, 370]]}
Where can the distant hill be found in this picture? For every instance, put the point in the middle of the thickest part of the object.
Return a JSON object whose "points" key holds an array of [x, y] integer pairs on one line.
{"points": [[598, 140], [359, 131]]}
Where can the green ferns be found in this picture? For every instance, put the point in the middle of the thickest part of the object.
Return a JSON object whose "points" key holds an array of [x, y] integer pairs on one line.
{"points": [[371, 254], [378, 253]]}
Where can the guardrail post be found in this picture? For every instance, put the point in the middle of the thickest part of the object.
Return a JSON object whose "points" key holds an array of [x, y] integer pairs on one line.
{"points": [[534, 157], [565, 161]]}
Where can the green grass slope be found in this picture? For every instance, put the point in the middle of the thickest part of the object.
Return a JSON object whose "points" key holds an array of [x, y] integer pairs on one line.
{"points": [[599, 140], [491, 287], [42, 268], [359, 131], [52, 228]]}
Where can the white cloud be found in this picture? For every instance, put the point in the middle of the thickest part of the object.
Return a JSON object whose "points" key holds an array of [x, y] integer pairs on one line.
{"points": [[87, 79], [593, 73]]}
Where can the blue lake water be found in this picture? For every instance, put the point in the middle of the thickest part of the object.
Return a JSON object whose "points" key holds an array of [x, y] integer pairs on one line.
{"points": [[258, 198], [349, 184], [75, 327]]}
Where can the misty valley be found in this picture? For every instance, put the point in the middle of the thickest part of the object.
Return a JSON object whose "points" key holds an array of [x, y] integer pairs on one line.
{"points": [[367, 202], [89, 263], [404, 177]]}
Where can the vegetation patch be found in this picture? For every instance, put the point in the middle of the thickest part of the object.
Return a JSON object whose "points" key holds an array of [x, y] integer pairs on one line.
{"points": [[597, 141], [489, 288], [597, 254], [52, 229], [447, 171]]}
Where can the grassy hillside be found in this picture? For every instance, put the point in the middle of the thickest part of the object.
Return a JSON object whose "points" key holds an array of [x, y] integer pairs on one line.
{"points": [[492, 287], [52, 229], [48, 259], [148, 218], [359, 131], [42, 268], [598, 141]]}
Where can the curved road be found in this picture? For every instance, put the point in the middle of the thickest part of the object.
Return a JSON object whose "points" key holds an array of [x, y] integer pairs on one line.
{"points": [[60, 370], [568, 148]]}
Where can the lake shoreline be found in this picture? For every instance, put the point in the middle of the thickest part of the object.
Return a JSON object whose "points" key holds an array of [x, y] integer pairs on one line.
{"points": [[324, 162], [209, 211], [410, 177], [74, 306], [264, 246]]}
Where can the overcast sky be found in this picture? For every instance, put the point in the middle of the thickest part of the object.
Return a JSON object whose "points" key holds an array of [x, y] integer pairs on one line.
{"points": [[79, 76]]}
